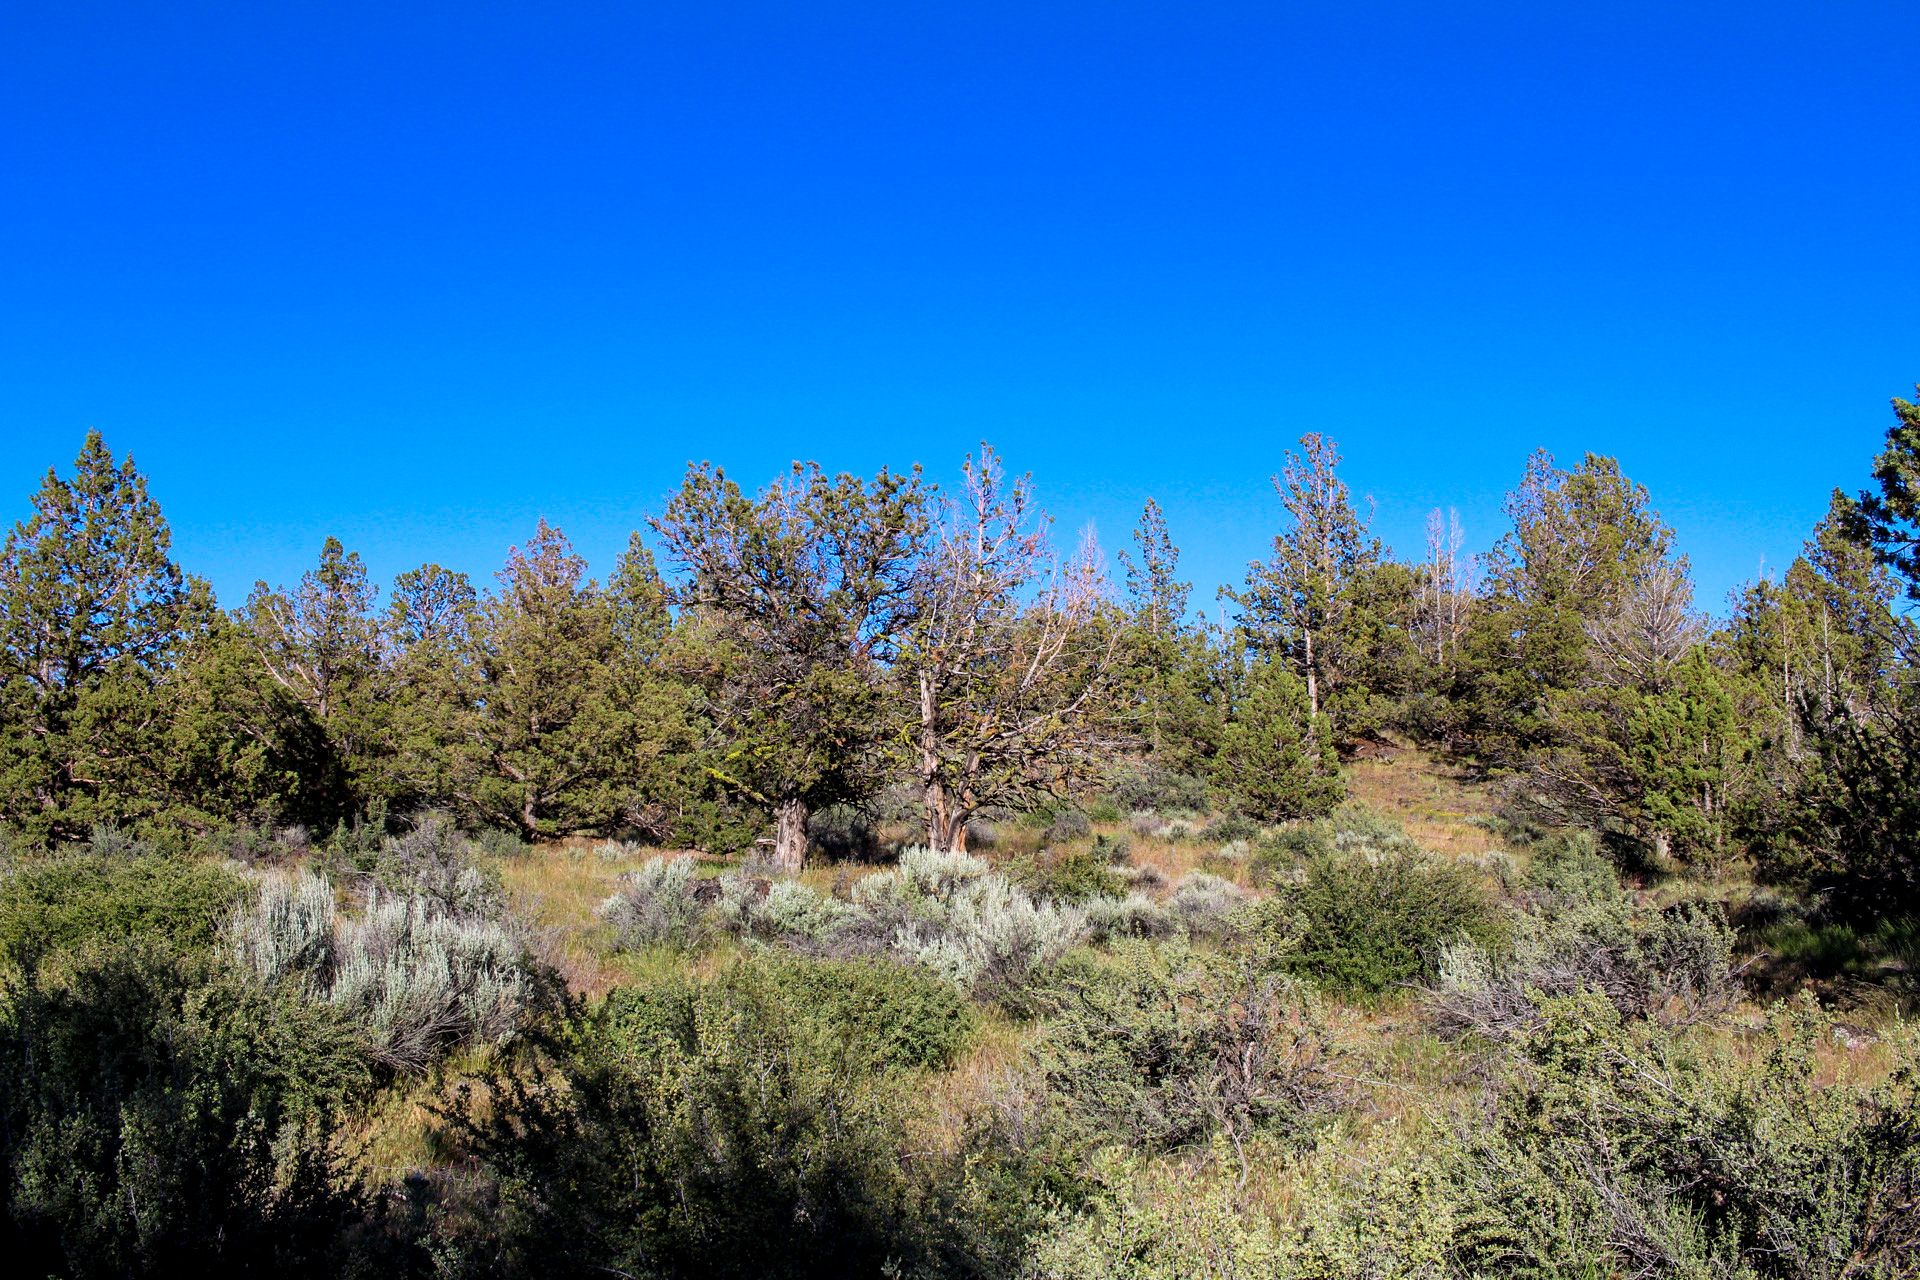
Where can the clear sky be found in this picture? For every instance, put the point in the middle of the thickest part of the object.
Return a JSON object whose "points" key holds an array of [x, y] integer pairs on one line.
{"points": [[418, 274]]}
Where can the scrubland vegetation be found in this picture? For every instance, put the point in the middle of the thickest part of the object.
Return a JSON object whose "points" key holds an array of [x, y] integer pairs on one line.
{"points": [[878, 893]]}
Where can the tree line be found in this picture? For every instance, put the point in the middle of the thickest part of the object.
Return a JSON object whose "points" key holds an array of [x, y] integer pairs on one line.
{"points": [[837, 640]]}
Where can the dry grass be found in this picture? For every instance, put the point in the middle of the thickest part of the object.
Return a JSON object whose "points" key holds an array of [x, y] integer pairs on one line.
{"points": [[558, 888], [1437, 803]]}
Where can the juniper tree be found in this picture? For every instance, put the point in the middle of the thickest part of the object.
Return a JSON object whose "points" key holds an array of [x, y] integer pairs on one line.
{"points": [[1274, 763], [429, 636], [1889, 521], [1011, 659], [320, 643], [93, 614], [1171, 672], [1579, 540], [801, 594], [541, 736]]}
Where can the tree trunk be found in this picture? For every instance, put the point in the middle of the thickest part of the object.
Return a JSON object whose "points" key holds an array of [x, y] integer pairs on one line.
{"points": [[1313, 682], [790, 835], [933, 791], [939, 818]]}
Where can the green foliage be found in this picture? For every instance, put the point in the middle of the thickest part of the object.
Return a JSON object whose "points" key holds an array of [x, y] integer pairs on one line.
{"points": [[723, 1128], [1673, 966], [93, 612], [878, 1014], [1580, 538], [1889, 521], [1365, 919], [1612, 1151], [1162, 1047], [62, 902], [1304, 609], [161, 1121], [1153, 789], [1155, 1221], [1276, 758], [796, 594], [1071, 875], [1569, 867]]}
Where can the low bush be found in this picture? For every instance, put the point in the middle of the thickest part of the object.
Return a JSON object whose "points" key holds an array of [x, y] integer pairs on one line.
{"points": [[1151, 788], [1674, 966], [1071, 875], [1231, 827], [1162, 1047], [157, 1118], [434, 859], [1569, 867], [948, 912], [976, 927], [885, 1014], [1363, 923], [1204, 904], [655, 904], [727, 1127], [1616, 1152], [61, 902], [417, 978], [843, 833], [1155, 1220], [1134, 916], [1067, 826]]}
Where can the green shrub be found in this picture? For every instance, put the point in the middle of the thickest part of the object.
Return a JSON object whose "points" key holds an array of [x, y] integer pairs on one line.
{"points": [[1673, 966], [1073, 875], [1618, 1151], [58, 903], [1067, 826], [954, 915], [1569, 866], [1134, 916], [726, 1128], [156, 1119], [1364, 923], [875, 1014], [1230, 827], [1162, 1046], [1152, 789]]}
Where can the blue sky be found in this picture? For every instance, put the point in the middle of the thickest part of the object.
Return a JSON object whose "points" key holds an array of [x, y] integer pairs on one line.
{"points": [[418, 278]]}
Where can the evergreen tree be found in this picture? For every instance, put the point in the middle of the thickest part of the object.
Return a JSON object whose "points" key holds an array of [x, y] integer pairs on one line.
{"points": [[1171, 674], [1889, 521], [320, 643], [542, 737], [93, 615], [798, 598], [1302, 606], [429, 637], [1580, 540], [662, 796], [1274, 762]]}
